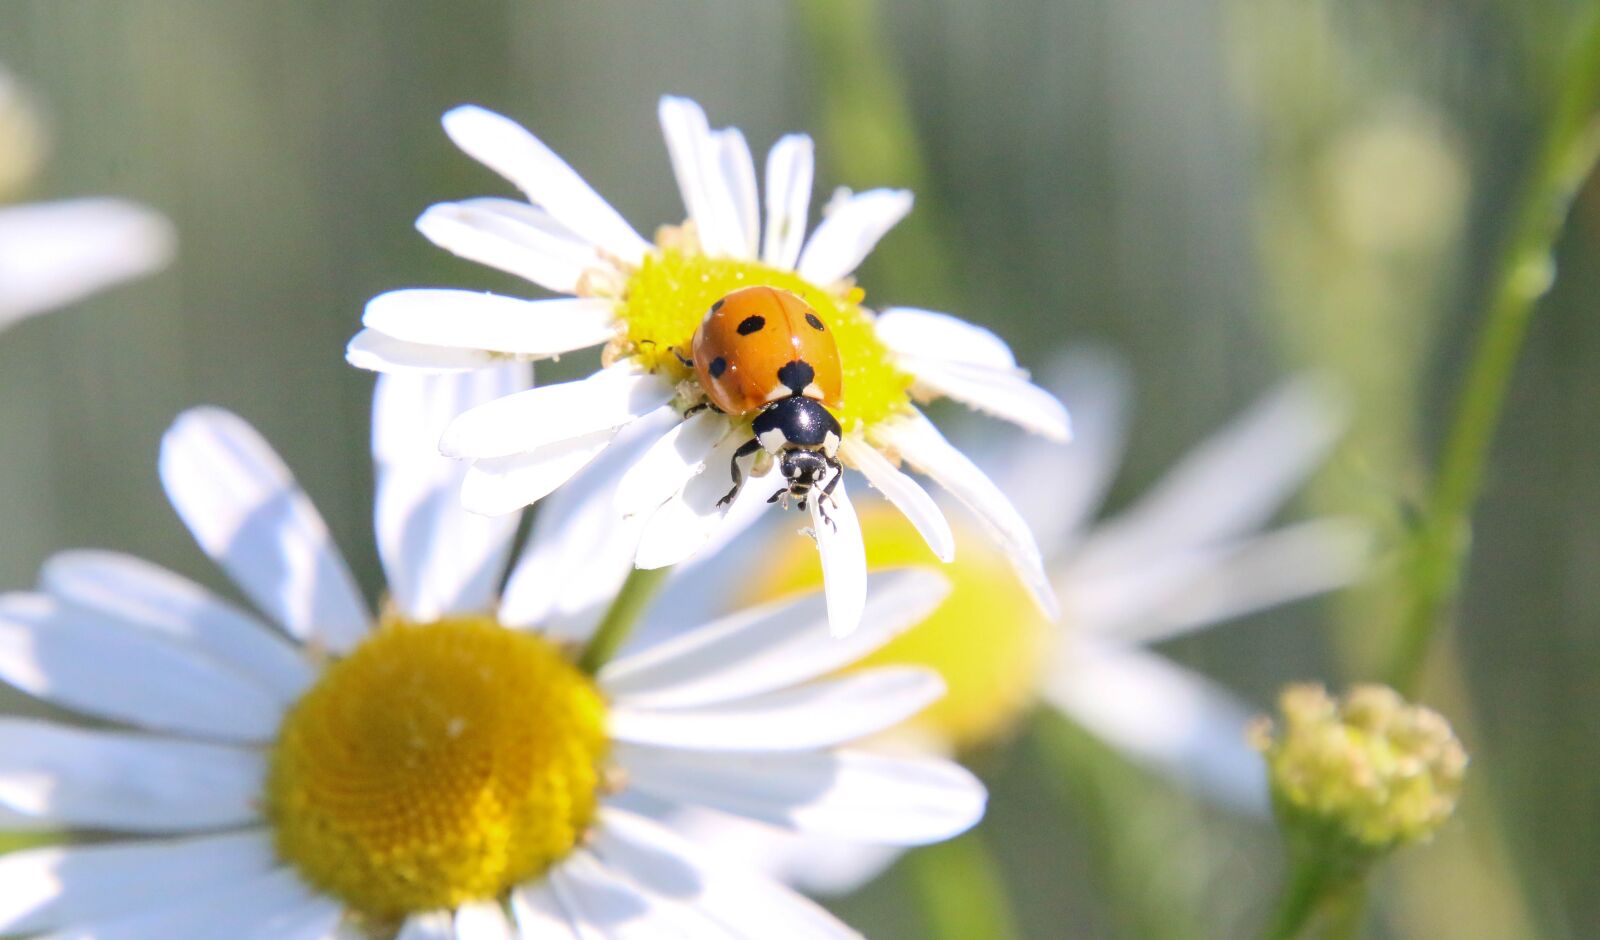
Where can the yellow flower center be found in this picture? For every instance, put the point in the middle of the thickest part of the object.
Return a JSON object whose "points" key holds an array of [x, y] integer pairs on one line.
{"points": [[987, 639], [664, 300], [435, 765]]}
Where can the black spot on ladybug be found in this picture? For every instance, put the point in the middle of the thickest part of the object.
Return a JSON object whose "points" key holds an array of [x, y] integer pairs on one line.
{"points": [[816, 324], [751, 324], [718, 366], [717, 306], [796, 375]]}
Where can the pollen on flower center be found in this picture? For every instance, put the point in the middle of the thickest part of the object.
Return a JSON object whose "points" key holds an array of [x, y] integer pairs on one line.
{"points": [[435, 765], [987, 640], [664, 300]]}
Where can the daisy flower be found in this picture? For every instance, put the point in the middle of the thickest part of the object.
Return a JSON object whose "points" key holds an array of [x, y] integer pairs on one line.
{"points": [[1186, 557], [443, 769], [643, 301], [55, 253]]}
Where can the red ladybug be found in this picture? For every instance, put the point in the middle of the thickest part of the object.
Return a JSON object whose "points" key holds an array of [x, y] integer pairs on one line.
{"points": [[764, 350]]}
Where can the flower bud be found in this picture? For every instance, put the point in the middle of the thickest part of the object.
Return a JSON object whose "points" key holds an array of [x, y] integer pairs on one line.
{"points": [[1369, 770]]}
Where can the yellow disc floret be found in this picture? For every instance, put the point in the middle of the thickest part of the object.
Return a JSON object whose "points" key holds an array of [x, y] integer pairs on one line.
{"points": [[664, 300], [435, 765], [987, 640]]}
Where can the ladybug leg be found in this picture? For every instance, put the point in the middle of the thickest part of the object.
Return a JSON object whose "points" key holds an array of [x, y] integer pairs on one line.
{"points": [[827, 495], [703, 406], [687, 362], [746, 449]]}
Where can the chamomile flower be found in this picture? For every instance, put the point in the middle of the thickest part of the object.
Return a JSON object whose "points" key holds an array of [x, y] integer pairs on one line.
{"points": [[1186, 557], [643, 302], [55, 253], [442, 769]]}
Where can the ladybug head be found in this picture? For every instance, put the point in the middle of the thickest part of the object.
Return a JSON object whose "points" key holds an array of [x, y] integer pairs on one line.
{"points": [[802, 469]]}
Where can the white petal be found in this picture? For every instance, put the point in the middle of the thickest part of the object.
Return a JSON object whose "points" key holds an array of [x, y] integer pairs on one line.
{"points": [[506, 147], [697, 162], [842, 794], [905, 493], [925, 334], [669, 463], [474, 320], [818, 866], [770, 647], [60, 886], [817, 714], [513, 237], [1173, 594], [848, 234], [378, 352], [746, 906], [970, 364], [497, 486], [526, 421], [438, 558], [1096, 390], [790, 165], [434, 925], [124, 782], [1288, 564], [739, 169], [86, 662], [580, 550], [273, 906], [1007, 395], [687, 522], [149, 597], [1164, 716], [53, 254], [924, 448], [844, 559], [539, 915], [248, 513], [607, 906], [1230, 484], [483, 920]]}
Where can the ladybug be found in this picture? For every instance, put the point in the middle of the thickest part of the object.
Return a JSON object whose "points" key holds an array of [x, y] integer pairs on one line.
{"points": [[764, 351]]}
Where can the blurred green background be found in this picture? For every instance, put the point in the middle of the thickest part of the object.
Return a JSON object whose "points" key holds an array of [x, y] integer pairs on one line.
{"points": [[1222, 192]]}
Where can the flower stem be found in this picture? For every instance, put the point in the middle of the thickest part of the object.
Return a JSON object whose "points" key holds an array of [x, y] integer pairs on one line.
{"points": [[621, 617], [1523, 272], [962, 890], [1319, 885]]}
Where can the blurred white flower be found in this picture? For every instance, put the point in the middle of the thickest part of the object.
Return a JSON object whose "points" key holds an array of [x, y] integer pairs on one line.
{"points": [[1185, 557], [55, 253], [645, 300], [435, 767]]}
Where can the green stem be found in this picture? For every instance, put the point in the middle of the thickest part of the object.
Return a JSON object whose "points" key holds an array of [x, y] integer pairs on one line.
{"points": [[621, 617], [1522, 274], [962, 890], [1321, 888]]}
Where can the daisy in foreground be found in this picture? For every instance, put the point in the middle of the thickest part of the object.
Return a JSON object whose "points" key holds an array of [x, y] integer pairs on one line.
{"points": [[442, 770], [55, 253], [645, 301], [1186, 557]]}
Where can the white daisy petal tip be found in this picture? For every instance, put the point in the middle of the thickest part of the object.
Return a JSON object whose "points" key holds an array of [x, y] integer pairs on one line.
{"points": [[844, 559], [375, 351], [905, 493]]}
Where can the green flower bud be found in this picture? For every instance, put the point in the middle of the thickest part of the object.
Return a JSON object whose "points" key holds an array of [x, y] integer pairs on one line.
{"points": [[1369, 771]]}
